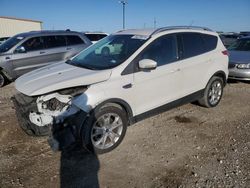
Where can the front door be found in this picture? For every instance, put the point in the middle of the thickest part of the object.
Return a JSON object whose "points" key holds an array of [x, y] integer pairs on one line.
{"points": [[32, 57], [160, 86]]}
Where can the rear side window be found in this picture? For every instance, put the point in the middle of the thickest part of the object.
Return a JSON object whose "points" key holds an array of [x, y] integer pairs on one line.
{"points": [[33, 44], [210, 42], [74, 40], [54, 41], [196, 44], [193, 44]]}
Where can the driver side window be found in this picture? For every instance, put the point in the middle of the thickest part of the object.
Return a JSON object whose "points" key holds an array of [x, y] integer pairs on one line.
{"points": [[163, 50], [33, 44]]}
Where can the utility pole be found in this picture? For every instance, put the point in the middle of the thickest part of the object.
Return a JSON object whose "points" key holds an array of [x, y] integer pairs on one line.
{"points": [[123, 12], [154, 22]]}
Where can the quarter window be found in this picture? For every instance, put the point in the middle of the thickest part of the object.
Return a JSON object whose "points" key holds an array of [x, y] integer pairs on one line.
{"points": [[210, 42], [74, 40], [163, 50]]}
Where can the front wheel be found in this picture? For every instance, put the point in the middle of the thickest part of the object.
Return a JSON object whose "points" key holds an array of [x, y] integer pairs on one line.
{"points": [[2, 80], [213, 92], [104, 129]]}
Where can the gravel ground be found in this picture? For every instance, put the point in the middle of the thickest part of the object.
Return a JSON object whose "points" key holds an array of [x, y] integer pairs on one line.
{"points": [[189, 146]]}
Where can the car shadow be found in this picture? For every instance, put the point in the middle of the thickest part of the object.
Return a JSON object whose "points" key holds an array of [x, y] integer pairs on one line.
{"points": [[79, 168]]}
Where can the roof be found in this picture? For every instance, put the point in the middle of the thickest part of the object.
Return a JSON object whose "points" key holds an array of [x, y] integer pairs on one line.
{"points": [[150, 32], [46, 32], [22, 19], [94, 32], [143, 32]]}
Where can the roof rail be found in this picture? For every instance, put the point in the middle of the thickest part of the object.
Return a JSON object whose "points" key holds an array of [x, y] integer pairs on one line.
{"points": [[180, 27]]}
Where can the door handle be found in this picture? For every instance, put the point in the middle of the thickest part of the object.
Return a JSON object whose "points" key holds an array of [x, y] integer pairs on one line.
{"points": [[42, 52], [7, 58], [127, 86], [68, 48], [175, 70]]}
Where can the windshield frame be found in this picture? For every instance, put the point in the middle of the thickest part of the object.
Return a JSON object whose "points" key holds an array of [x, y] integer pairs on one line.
{"points": [[11, 45], [136, 40], [237, 46]]}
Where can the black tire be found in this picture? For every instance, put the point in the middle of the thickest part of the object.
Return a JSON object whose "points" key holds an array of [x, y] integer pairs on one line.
{"points": [[206, 100], [87, 129], [2, 80]]}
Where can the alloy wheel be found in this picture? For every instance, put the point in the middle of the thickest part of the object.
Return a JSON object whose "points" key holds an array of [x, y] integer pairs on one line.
{"points": [[106, 131], [215, 92]]}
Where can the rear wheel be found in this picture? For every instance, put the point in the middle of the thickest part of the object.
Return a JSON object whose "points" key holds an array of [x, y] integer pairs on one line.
{"points": [[213, 92], [105, 129]]}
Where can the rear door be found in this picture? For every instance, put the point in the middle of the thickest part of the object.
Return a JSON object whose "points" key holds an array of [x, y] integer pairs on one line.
{"points": [[195, 62], [55, 48], [75, 44]]}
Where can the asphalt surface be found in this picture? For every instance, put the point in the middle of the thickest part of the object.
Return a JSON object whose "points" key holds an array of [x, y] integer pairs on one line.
{"points": [[189, 146]]}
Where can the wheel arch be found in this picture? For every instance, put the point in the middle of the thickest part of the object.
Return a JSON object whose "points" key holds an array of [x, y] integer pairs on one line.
{"points": [[221, 74], [5, 74], [121, 103]]}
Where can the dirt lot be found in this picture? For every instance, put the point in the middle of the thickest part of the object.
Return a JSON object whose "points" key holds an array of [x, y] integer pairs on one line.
{"points": [[189, 146]]}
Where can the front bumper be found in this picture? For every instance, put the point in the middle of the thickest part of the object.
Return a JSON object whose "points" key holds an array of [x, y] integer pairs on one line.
{"points": [[239, 74], [23, 106], [68, 132]]}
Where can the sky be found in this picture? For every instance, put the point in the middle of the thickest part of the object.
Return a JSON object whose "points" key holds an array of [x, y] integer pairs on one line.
{"points": [[106, 15]]}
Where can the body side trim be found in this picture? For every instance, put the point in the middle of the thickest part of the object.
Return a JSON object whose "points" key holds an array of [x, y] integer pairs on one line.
{"points": [[187, 99]]}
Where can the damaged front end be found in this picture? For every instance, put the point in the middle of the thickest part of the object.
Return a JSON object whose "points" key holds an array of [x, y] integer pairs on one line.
{"points": [[37, 114], [67, 132]]}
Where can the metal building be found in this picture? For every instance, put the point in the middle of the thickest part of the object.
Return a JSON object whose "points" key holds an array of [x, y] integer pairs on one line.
{"points": [[10, 26]]}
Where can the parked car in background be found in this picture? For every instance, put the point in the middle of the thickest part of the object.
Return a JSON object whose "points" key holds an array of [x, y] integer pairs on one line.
{"points": [[95, 96], [28, 51], [3, 39], [229, 38], [244, 33], [95, 36], [239, 59]]}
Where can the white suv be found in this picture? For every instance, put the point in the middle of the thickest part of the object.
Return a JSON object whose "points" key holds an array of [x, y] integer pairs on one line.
{"points": [[95, 96]]}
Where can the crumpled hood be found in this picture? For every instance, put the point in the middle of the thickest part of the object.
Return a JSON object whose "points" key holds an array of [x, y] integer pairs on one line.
{"points": [[242, 57], [58, 76]]}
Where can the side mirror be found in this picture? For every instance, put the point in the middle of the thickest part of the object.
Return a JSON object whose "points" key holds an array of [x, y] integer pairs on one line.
{"points": [[147, 64], [20, 49]]}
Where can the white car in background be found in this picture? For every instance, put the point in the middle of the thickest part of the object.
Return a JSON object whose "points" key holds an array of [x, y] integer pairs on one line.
{"points": [[95, 96]]}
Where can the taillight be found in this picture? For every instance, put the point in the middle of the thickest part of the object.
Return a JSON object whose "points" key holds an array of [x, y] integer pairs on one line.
{"points": [[225, 52]]}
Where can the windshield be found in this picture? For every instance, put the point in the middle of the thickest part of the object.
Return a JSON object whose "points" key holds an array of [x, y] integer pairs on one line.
{"points": [[108, 52], [241, 45], [8, 44]]}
